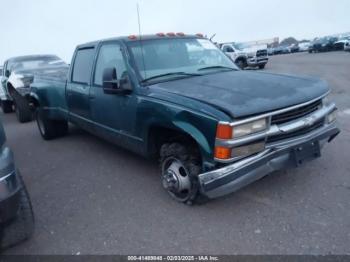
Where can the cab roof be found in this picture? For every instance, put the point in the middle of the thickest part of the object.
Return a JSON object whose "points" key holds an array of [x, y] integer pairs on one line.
{"points": [[133, 38]]}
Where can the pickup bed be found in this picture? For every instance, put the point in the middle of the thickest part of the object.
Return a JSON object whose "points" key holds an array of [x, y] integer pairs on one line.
{"points": [[180, 99]]}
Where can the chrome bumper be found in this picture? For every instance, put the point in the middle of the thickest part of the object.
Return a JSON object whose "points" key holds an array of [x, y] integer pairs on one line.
{"points": [[232, 177]]}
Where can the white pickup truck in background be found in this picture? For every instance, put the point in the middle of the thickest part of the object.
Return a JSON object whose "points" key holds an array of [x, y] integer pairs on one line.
{"points": [[246, 56]]}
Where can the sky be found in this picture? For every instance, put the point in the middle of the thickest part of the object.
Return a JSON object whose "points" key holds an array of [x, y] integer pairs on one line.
{"points": [[57, 26]]}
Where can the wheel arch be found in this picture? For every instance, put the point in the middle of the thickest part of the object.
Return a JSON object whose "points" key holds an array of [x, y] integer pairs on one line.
{"points": [[182, 132]]}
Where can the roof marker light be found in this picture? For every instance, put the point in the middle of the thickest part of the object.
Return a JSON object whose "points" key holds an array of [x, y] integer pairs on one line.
{"points": [[171, 34], [180, 34], [161, 34], [132, 37], [200, 35]]}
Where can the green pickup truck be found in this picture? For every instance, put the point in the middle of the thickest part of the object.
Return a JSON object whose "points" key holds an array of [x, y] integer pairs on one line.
{"points": [[180, 99]]}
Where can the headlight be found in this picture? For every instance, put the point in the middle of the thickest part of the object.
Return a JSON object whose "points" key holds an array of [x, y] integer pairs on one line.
{"points": [[226, 131], [249, 128], [251, 55]]}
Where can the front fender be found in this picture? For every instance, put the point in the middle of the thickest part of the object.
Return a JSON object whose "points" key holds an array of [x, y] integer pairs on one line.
{"points": [[15, 82], [196, 134]]}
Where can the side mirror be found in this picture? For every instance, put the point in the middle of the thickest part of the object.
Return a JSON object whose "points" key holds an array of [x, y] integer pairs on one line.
{"points": [[111, 85]]}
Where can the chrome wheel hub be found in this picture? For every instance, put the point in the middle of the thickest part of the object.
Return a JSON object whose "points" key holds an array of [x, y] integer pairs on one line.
{"points": [[176, 180]]}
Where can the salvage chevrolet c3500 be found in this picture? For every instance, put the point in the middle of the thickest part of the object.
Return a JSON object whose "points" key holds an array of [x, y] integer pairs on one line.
{"points": [[179, 98]]}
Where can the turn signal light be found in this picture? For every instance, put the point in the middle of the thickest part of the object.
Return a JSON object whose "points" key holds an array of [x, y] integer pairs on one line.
{"points": [[224, 131], [222, 152]]}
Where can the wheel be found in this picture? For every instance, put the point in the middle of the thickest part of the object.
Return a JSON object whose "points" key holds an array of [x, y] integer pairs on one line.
{"points": [[22, 227], [241, 63], [23, 112], [262, 66], [49, 128], [6, 106], [180, 166]]}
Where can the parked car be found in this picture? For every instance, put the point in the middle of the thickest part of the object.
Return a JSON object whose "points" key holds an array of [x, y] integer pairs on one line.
{"points": [[246, 57], [270, 51], [294, 48], [323, 44], [304, 47], [282, 49], [16, 214], [18, 75], [340, 44], [178, 98]]}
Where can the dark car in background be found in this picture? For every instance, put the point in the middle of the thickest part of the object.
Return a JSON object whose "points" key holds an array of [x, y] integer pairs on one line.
{"points": [[341, 43], [294, 48], [323, 44], [282, 49], [19, 73], [16, 214]]}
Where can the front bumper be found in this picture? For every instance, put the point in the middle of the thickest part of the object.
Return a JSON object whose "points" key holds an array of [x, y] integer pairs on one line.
{"points": [[232, 177], [9, 186], [257, 61]]}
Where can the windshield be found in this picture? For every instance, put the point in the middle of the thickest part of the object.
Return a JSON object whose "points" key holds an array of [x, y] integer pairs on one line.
{"points": [[178, 57], [239, 46], [34, 62]]}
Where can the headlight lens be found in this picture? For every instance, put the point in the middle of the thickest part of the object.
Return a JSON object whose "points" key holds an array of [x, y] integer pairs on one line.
{"points": [[249, 128]]}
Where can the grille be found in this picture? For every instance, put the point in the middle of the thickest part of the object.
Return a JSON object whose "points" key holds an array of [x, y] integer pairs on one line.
{"points": [[300, 132], [296, 113], [261, 53]]}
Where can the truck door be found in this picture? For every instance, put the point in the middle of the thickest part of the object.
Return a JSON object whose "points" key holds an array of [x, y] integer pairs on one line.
{"points": [[79, 87], [113, 114]]}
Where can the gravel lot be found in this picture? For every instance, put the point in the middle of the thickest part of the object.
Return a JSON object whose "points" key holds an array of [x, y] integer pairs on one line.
{"points": [[90, 197]]}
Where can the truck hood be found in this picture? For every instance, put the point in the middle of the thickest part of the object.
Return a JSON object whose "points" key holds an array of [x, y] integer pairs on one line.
{"points": [[241, 93], [23, 78]]}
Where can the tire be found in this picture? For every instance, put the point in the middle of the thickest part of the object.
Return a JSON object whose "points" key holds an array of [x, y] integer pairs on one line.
{"points": [[187, 161], [23, 112], [6, 106], [22, 227], [49, 128], [241, 63], [262, 66]]}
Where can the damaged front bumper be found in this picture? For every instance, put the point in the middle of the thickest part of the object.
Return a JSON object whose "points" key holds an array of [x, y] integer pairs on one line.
{"points": [[292, 152]]}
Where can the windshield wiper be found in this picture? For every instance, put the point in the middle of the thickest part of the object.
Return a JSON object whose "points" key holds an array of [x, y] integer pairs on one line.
{"points": [[170, 74], [216, 67]]}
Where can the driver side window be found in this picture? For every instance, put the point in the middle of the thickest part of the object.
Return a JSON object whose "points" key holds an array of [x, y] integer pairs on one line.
{"points": [[110, 55]]}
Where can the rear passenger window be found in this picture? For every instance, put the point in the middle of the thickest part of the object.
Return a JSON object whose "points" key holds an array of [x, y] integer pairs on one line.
{"points": [[83, 65]]}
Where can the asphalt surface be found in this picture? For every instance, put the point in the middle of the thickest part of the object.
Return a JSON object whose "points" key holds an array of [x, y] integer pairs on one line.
{"points": [[90, 197]]}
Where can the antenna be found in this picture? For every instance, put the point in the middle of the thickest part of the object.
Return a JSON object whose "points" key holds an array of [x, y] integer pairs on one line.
{"points": [[140, 36]]}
